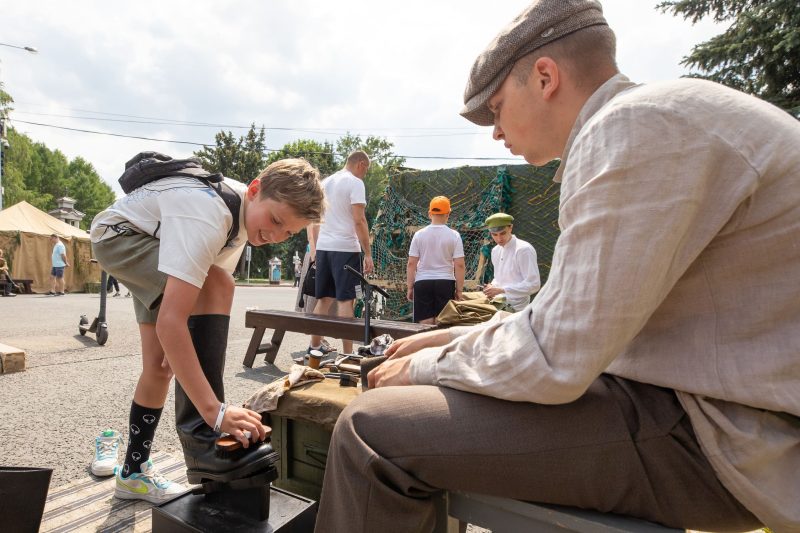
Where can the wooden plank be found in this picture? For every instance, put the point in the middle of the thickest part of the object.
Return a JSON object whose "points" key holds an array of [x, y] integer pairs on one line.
{"points": [[313, 324], [339, 327], [11, 359]]}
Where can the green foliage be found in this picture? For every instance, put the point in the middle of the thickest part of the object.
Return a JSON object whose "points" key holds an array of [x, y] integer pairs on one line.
{"points": [[758, 54], [34, 173], [241, 159], [5, 102], [318, 154]]}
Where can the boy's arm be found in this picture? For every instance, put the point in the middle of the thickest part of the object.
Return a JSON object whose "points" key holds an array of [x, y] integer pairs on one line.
{"points": [[177, 304]]}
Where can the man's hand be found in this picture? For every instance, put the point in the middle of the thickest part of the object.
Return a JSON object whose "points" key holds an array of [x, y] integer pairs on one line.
{"points": [[408, 345], [394, 372], [492, 291], [410, 294], [369, 266]]}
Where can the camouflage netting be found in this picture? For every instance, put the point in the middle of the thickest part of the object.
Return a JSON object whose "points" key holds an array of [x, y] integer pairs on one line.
{"points": [[526, 192]]}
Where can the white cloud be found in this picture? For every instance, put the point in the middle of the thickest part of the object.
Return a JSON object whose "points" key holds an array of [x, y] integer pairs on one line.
{"points": [[369, 67]]}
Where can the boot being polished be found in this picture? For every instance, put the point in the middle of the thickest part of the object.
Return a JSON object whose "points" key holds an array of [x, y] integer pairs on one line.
{"points": [[204, 462]]}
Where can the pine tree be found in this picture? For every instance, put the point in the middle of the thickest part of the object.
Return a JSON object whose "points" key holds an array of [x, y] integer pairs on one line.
{"points": [[758, 54]]}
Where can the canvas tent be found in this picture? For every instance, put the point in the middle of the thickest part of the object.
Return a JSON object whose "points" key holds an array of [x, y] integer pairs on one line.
{"points": [[25, 238]]}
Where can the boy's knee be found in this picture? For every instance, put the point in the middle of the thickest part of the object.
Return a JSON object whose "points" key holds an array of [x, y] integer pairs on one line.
{"points": [[219, 281]]}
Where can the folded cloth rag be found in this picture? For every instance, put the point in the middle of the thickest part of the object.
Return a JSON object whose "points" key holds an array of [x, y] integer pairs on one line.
{"points": [[380, 343], [266, 398]]}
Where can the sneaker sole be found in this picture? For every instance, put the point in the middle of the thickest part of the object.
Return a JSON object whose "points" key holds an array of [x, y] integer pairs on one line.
{"points": [[155, 500], [102, 472]]}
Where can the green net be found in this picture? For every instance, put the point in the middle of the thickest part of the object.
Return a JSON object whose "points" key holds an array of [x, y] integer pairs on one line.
{"points": [[525, 192]]}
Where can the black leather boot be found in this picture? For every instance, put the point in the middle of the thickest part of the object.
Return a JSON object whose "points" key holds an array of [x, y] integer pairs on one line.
{"points": [[203, 461]]}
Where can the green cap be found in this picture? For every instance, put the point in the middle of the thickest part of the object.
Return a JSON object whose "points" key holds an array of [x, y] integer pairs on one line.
{"points": [[498, 221]]}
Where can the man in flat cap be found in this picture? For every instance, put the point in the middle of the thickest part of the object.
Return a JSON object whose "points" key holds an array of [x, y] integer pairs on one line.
{"points": [[516, 274], [656, 374], [435, 268]]}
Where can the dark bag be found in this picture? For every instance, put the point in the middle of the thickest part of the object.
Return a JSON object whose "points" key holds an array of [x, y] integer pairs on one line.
{"points": [[147, 167], [310, 281], [309, 287]]}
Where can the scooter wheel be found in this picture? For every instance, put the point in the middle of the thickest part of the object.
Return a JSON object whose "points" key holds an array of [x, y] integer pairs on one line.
{"points": [[102, 334], [81, 325]]}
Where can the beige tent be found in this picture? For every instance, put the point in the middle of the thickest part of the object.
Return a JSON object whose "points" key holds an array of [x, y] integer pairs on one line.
{"points": [[25, 238]]}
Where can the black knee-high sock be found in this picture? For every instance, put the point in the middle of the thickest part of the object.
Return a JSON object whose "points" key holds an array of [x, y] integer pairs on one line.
{"points": [[141, 430]]}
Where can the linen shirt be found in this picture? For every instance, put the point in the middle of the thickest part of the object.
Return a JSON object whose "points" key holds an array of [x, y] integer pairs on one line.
{"points": [[678, 265], [516, 271]]}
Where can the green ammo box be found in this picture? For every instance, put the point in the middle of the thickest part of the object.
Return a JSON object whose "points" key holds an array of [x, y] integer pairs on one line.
{"points": [[303, 447]]}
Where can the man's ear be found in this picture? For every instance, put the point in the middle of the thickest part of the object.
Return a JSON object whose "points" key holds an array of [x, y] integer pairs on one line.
{"points": [[548, 76]]}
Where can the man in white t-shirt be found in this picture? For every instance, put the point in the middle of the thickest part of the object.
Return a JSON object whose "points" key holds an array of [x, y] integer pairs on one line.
{"points": [[435, 271], [340, 240], [516, 273]]}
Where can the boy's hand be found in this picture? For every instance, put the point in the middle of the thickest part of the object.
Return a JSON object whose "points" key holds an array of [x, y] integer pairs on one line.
{"points": [[237, 420]]}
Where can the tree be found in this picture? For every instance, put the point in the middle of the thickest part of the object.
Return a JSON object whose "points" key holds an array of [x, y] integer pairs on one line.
{"points": [[758, 54], [320, 155], [91, 193], [241, 159], [38, 175]]}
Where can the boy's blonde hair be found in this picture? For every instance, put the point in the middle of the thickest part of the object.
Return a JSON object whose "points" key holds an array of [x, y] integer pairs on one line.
{"points": [[294, 182]]}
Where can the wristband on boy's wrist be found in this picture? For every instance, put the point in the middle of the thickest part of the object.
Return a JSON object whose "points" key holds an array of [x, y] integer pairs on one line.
{"points": [[218, 424]]}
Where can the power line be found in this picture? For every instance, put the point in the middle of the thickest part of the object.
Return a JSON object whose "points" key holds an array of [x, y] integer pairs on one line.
{"points": [[267, 149], [236, 126], [233, 126]]}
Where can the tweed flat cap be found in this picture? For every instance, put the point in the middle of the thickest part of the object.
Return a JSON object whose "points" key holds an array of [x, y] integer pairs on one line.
{"points": [[543, 22]]}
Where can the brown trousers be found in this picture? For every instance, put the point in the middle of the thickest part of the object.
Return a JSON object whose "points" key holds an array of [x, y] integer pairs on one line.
{"points": [[624, 447]]}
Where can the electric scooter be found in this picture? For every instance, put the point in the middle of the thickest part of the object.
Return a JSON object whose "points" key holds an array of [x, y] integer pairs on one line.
{"points": [[99, 325]]}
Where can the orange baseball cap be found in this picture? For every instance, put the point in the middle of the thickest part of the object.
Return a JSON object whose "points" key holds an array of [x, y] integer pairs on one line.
{"points": [[439, 206]]}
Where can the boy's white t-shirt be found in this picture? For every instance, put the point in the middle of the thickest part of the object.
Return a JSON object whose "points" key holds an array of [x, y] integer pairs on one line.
{"points": [[188, 217], [436, 246], [338, 230]]}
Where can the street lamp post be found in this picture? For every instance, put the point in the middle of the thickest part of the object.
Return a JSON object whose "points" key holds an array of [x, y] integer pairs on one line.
{"points": [[3, 141]]}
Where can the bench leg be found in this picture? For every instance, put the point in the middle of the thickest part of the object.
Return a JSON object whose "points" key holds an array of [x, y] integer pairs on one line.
{"points": [[255, 342], [272, 348]]}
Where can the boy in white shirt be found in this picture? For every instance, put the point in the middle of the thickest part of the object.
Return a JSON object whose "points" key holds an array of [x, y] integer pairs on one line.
{"points": [[435, 270], [516, 272], [174, 241]]}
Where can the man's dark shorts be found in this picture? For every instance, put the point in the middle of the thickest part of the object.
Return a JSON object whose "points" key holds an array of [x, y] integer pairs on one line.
{"points": [[430, 297], [57, 272], [333, 281]]}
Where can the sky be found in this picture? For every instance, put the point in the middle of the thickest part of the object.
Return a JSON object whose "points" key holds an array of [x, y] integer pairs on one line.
{"points": [[303, 69]]}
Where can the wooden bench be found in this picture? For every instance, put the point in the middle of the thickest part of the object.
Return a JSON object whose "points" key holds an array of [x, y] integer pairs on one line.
{"points": [[26, 285], [311, 324], [512, 516]]}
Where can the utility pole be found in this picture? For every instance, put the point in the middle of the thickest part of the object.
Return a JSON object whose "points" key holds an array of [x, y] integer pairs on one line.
{"points": [[3, 118]]}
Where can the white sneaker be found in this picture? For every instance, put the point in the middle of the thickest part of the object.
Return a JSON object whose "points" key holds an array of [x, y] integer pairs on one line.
{"points": [[149, 485], [106, 447]]}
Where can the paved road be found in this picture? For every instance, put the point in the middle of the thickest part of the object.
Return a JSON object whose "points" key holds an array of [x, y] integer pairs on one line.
{"points": [[73, 388]]}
